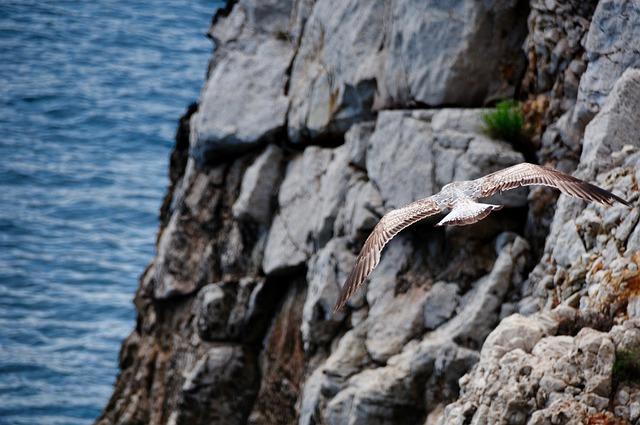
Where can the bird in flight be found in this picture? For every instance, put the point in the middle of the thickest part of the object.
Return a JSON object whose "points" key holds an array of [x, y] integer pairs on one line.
{"points": [[460, 197]]}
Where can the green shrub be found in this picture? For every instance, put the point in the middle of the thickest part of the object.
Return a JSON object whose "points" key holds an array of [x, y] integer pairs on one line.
{"points": [[505, 122], [627, 365]]}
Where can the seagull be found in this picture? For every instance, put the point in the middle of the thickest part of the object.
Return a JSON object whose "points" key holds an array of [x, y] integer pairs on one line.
{"points": [[460, 197]]}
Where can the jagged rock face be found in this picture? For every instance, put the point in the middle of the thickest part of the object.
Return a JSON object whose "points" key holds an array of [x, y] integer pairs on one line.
{"points": [[611, 48], [554, 47], [606, 50], [592, 252], [298, 151], [530, 371], [316, 68], [239, 110], [437, 52]]}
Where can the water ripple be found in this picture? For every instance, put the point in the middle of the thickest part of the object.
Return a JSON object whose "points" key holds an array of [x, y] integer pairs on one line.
{"points": [[89, 102]]}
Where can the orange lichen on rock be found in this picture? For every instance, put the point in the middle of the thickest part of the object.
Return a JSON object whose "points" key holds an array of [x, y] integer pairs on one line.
{"points": [[605, 418]]}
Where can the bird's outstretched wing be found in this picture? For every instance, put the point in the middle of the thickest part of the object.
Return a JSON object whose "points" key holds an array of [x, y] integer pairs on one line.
{"points": [[526, 174], [389, 226]]}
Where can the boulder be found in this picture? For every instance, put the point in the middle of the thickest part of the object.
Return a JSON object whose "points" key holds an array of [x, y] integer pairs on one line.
{"points": [[259, 188], [240, 110], [310, 197], [529, 374], [431, 59]]}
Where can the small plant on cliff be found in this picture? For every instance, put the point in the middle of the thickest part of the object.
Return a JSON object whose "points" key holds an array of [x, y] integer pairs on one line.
{"points": [[505, 122], [627, 365]]}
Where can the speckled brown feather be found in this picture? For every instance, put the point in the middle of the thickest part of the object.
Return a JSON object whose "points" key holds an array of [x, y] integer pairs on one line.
{"points": [[389, 226]]}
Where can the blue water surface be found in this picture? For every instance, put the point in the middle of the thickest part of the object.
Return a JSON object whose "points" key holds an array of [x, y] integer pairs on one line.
{"points": [[90, 94]]}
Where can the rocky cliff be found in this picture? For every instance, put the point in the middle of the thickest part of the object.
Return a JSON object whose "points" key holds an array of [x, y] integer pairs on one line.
{"points": [[317, 117]]}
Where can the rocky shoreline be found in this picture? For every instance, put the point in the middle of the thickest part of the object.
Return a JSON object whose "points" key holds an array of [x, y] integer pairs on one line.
{"points": [[317, 117]]}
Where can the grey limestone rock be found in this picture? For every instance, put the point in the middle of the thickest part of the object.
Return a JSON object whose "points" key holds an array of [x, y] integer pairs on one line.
{"points": [[177, 253], [440, 304], [528, 374], [349, 357], [333, 76], [259, 187], [414, 362], [224, 311], [438, 147], [310, 197], [554, 46], [392, 324], [610, 50], [401, 142], [270, 16], [611, 47], [212, 312], [362, 207], [287, 243], [434, 60], [221, 387], [613, 132], [358, 57], [381, 285], [357, 138], [239, 110], [327, 270], [517, 332], [479, 308]]}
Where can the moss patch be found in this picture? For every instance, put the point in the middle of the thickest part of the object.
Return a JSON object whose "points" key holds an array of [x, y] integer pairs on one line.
{"points": [[627, 365]]}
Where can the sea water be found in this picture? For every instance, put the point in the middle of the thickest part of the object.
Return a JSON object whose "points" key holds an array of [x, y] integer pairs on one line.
{"points": [[90, 94]]}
